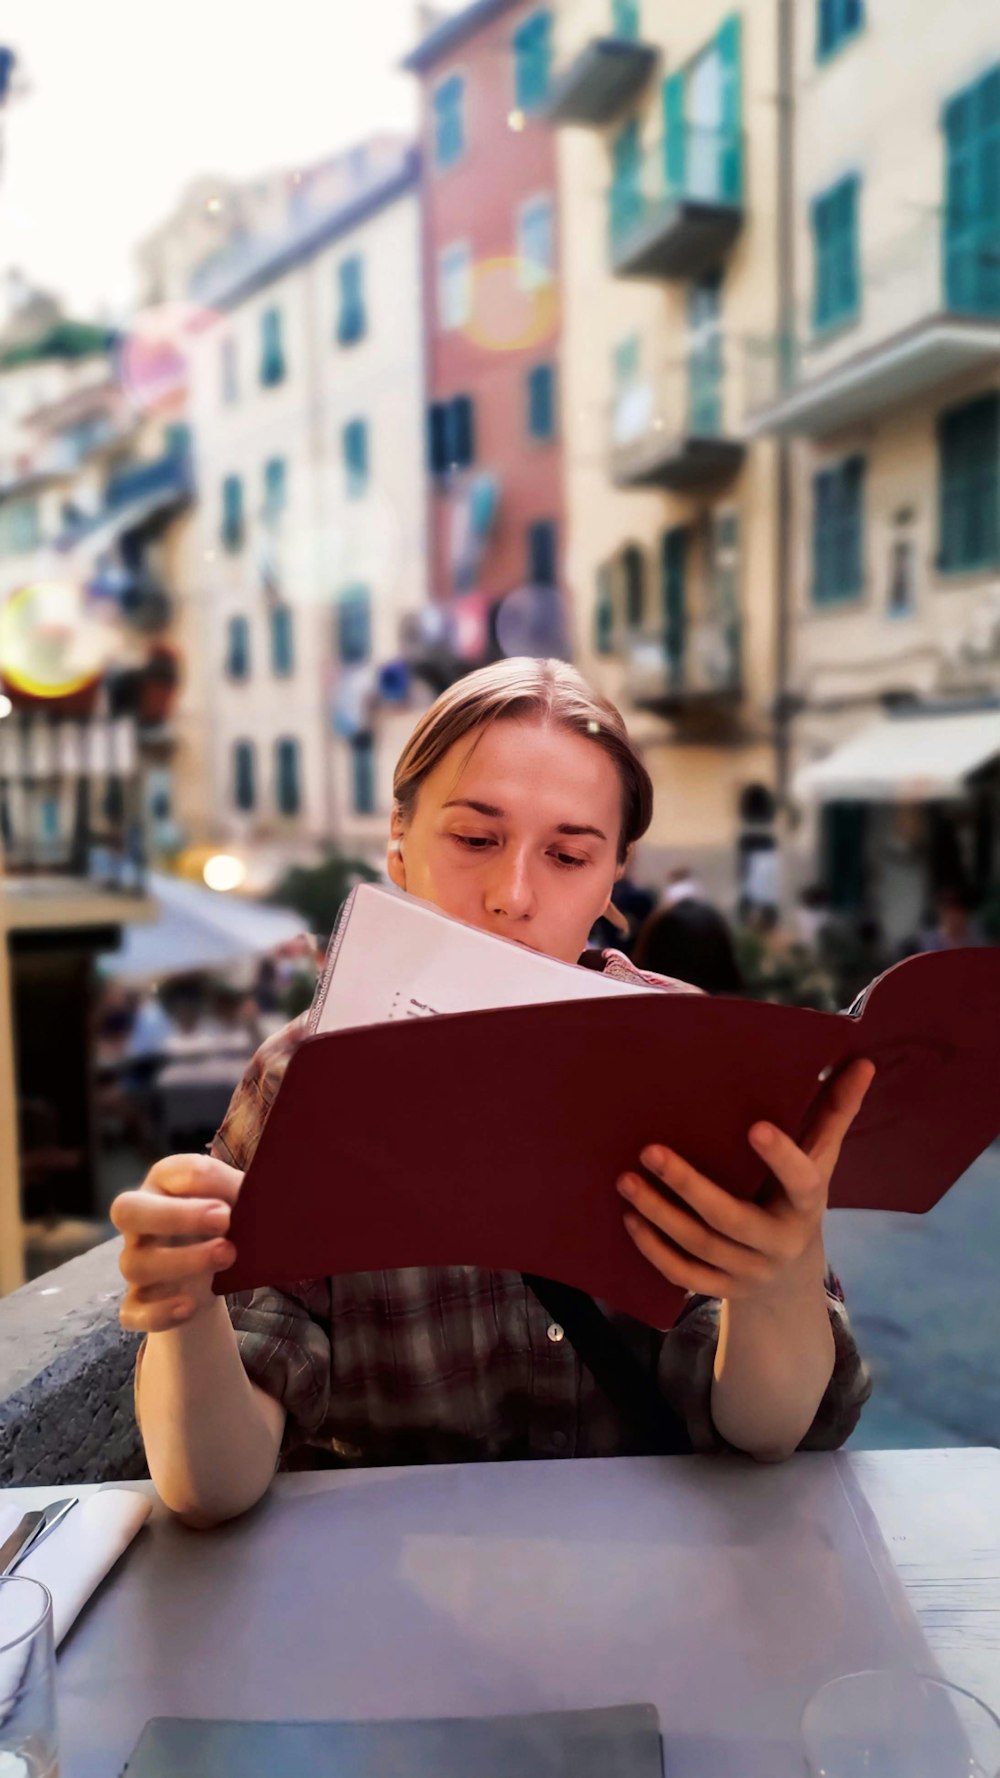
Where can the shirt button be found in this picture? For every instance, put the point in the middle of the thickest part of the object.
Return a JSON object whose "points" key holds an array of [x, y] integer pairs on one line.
{"points": [[554, 1332]]}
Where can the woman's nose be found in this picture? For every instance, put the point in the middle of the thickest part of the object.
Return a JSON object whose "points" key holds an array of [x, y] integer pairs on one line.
{"points": [[509, 889]]}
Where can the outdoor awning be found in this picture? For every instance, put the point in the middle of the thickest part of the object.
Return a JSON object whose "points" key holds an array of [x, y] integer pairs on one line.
{"points": [[198, 929], [905, 759]]}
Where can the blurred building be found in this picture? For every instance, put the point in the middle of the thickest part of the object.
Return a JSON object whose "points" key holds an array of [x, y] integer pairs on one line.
{"points": [[668, 121], [491, 270], [307, 410], [887, 380]]}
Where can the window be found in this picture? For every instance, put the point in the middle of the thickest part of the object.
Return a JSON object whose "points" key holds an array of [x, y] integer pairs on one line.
{"points": [[969, 480], [541, 391], [20, 531], [354, 626], [232, 514], [835, 245], [837, 20], [533, 62], [286, 771], [363, 774], [626, 202], [272, 352], [542, 553], [238, 648], [282, 641], [275, 488], [449, 121], [604, 613], [972, 198], [625, 19], [229, 371], [673, 570], [902, 591], [352, 320], [536, 247], [356, 464], [454, 286], [451, 434], [244, 776], [705, 357], [702, 121], [634, 575], [838, 532]]}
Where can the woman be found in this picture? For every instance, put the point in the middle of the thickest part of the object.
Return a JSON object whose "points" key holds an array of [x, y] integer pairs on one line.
{"points": [[691, 941], [517, 801]]}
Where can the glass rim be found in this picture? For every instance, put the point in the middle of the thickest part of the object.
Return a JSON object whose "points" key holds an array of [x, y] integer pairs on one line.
{"points": [[22, 1580], [930, 1679]]}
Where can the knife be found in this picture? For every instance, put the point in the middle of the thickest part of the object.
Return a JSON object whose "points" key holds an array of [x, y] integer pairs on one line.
{"points": [[17, 1542]]}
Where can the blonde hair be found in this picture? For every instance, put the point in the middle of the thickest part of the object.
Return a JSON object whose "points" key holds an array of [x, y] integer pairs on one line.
{"points": [[527, 690]]}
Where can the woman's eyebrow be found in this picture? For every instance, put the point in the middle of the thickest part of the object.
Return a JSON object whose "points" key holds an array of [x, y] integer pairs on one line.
{"points": [[495, 814]]}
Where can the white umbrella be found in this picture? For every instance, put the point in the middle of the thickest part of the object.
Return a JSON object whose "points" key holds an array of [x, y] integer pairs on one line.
{"points": [[198, 929]]}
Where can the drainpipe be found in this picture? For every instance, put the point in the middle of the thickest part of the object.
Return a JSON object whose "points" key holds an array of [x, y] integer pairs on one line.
{"points": [[785, 242]]}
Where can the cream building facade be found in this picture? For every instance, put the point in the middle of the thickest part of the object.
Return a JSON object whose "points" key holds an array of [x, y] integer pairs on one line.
{"points": [[889, 389], [668, 142], [307, 411]]}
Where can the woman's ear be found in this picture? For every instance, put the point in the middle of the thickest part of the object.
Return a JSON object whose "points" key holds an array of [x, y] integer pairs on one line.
{"points": [[394, 864]]}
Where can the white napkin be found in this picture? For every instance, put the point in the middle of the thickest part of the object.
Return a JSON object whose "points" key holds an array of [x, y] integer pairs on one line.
{"points": [[76, 1556]]}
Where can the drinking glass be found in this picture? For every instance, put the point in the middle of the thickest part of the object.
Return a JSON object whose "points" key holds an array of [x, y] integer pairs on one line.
{"points": [[896, 1724], [28, 1729]]}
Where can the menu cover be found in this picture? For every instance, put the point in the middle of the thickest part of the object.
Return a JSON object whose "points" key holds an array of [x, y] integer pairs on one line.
{"points": [[621, 1742], [494, 1137]]}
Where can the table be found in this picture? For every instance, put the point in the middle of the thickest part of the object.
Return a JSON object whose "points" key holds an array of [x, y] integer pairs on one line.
{"points": [[479, 1589]]}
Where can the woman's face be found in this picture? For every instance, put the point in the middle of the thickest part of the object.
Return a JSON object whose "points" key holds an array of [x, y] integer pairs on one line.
{"points": [[516, 830]]}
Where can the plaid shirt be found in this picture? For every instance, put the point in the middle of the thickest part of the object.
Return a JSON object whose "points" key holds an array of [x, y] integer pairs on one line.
{"points": [[456, 1363]]}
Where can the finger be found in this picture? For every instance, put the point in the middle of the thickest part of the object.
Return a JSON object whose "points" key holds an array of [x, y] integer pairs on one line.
{"points": [[841, 1104], [801, 1179], [743, 1223], [194, 1176], [138, 1317], [692, 1237], [687, 1273], [144, 1214], [161, 1265]]}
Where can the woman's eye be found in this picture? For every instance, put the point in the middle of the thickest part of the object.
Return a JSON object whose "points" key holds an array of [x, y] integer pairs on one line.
{"points": [[476, 842], [567, 858]]}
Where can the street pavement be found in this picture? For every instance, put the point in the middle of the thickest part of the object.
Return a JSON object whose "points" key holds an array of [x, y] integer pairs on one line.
{"points": [[924, 1297]]}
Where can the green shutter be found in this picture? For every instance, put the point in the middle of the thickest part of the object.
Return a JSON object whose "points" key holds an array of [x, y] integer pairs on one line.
{"points": [[674, 133], [969, 484], [971, 123], [731, 147], [674, 568], [363, 774], [281, 640], [604, 613], [288, 787], [625, 19], [634, 570]]}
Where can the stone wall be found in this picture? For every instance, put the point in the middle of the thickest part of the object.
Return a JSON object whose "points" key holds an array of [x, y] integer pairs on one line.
{"points": [[66, 1411]]}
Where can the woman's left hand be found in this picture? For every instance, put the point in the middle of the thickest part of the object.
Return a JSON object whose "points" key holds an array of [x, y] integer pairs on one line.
{"points": [[719, 1246]]}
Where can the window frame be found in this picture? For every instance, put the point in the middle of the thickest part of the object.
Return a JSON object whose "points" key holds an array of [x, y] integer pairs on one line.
{"points": [[460, 249], [828, 590], [828, 269], [531, 104], [549, 370], [531, 280], [454, 77]]}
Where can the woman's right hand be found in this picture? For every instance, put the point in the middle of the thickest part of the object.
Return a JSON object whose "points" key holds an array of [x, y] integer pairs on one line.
{"points": [[175, 1226]]}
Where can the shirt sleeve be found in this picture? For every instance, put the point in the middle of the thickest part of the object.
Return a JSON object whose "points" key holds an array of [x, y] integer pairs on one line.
{"points": [[687, 1366], [283, 1335]]}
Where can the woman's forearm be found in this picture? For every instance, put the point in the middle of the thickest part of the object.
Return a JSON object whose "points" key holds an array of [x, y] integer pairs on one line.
{"points": [[212, 1437], [774, 1362]]}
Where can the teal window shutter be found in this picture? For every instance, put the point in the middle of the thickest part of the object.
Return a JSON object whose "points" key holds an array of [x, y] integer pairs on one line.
{"points": [[449, 121], [541, 402], [232, 514], [542, 551], [352, 322], [533, 62], [674, 133], [363, 774], [461, 429], [282, 649], [354, 626], [604, 613], [634, 575], [625, 19], [971, 121], [838, 532], [837, 21], [238, 648], [275, 488], [674, 567], [244, 776], [731, 146], [969, 485], [356, 458], [626, 180], [836, 279], [272, 352], [287, 774], [705, 364]]}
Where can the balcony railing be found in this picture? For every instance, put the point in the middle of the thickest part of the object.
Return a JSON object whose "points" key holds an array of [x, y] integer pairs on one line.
{"points": [[71, 801], [678, 209], [927, 312], [602, 62], [692, 669], [672, 431]]}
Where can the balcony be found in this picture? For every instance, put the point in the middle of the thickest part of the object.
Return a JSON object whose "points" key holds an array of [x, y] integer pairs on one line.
{"points": [[71, 823], [602, 80], [676, 211], [927, 314], [695, 672], [671, 431]]}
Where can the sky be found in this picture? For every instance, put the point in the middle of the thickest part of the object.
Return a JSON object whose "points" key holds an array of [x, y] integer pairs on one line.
{"points": [[129, 100]]}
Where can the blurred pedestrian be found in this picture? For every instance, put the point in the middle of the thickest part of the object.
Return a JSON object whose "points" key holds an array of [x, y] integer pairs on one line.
{"points": [[681, 885], [691, 942], [955, 924]]}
